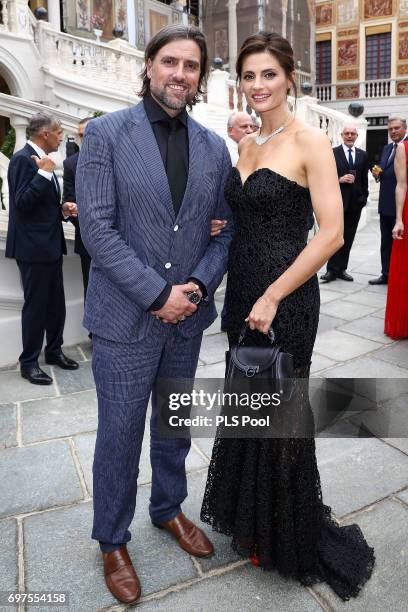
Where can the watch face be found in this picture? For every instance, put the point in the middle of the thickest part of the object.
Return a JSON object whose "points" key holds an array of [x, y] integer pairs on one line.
{"points": [[194, 297]]}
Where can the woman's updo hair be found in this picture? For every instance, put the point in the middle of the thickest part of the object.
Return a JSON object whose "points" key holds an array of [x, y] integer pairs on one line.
{"points": [[274, 44]]}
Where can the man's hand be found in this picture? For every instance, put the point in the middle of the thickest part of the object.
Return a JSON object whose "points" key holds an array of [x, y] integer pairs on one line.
{"points": [[45, 163], [70, 209], [217, 225], [347, 178], [177, 307]]}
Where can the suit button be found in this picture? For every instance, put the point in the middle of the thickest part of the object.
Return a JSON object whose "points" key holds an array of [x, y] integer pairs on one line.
{"points": [[167, 265], [175, 228]]}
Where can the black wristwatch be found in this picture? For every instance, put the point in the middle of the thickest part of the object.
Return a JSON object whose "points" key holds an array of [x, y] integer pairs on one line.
{"points": [[194, 297]]}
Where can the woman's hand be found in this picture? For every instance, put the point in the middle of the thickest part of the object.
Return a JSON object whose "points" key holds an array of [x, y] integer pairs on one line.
{"points": [[262, 314], [398, 231], [217, 225]]}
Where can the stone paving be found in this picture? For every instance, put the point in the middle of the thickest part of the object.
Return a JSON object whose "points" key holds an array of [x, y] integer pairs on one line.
{"points": [[47, 436]]}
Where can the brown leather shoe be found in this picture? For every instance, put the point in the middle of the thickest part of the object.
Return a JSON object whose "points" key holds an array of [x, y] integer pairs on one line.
{"points": [[120, 576], [190, 537]]}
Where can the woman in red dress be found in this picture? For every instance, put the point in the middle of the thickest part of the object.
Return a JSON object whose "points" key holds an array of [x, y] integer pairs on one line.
{"points": [[396, 312]]}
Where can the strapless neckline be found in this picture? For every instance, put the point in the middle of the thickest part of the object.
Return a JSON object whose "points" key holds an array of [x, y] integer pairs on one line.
{"points": [[268, 171]]}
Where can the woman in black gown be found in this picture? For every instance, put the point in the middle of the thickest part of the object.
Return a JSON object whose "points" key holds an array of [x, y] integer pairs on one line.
{"points": [[266, 493]]}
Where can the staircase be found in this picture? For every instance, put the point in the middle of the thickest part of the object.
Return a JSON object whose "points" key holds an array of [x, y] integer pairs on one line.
{"points": [[73, 77]]}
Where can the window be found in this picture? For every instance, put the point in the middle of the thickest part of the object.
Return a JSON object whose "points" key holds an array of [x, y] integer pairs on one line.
{"points": [[378, 56], [323, 62]]}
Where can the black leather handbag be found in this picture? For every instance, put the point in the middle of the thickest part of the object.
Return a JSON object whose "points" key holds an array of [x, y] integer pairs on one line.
{"points": [[263, 366]]}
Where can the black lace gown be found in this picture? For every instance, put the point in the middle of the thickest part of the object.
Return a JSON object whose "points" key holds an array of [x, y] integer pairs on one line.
{"points": [[266, 493]]}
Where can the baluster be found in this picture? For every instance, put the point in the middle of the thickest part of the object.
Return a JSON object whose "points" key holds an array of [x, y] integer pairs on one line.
{"points": [[133, 80], [4, 15]]}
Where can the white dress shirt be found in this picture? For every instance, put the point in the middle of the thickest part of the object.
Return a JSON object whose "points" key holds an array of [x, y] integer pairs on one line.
{"points": [[41, 154], [353, 153], [232, 147], [346, 149]]}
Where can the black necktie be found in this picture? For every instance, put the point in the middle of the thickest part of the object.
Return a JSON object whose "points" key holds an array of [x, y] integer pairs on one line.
{"points": [[350, 160], [391, 157], [174, 167]]}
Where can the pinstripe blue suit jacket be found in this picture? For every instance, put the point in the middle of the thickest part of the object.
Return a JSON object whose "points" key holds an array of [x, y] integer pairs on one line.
{"points": [[130, 230]]}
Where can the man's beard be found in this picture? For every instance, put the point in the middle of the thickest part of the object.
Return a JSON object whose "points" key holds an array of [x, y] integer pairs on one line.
{"points": [[172, 103]]}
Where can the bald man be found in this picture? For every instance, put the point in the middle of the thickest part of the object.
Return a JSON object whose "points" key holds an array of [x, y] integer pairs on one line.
{"points": [[239, 125], [352, 170]]}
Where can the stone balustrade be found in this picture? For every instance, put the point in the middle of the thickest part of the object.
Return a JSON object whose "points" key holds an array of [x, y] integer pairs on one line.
{"points": [[89, 61]]}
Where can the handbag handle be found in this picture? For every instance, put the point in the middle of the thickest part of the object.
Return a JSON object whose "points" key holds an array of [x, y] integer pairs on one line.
{"points": [[244, 329]]}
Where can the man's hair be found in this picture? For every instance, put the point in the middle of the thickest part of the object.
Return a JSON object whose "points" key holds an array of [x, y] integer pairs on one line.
{"points": [[232, 116], [167, 35], [403, 121], [231, 119], [85, 120], [349, 126], [39, 121]]}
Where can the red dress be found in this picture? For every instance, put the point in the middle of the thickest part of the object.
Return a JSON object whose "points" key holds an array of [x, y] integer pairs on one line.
{"points": [[396, 312]]}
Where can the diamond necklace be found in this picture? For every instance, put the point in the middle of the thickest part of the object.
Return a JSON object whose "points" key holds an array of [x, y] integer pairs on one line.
{"points": [[260, 140]]}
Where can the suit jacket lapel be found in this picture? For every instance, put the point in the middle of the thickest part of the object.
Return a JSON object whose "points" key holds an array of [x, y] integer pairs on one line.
{"points": [[54, 180], [56, 186], [358, 157], [388, 161], [143, 138], [343, 157]]}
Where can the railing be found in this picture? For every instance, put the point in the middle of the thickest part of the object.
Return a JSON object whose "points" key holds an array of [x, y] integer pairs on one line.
{"points": [[302, 77], [326, 93], [376, 89], [90, 61], [330, 121], [363, 90]]}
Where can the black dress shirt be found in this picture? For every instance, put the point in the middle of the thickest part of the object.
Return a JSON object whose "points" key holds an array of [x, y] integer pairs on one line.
{"points": [[160, 122]]}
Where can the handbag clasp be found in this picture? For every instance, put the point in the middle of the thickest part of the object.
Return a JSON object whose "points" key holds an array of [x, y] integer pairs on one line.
{"points": [[251, 371]]}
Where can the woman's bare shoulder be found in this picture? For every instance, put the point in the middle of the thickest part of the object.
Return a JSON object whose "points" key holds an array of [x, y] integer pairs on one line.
{"points": [[246, 141], [309, 136]]}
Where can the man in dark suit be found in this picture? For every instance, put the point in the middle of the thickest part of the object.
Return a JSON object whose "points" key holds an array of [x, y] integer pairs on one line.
{"points": [[352, 170], [397, 129], [36, 240], [69, 196], [149, 180]]}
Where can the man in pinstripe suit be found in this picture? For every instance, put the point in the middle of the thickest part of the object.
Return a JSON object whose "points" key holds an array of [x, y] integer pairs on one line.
{"points": [[149, 181]]}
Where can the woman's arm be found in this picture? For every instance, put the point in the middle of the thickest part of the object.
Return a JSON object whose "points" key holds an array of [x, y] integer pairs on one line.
{"points": [[322, 179], [400, 167]]}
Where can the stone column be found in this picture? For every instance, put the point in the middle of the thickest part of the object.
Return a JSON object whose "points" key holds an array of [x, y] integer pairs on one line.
{"points": [[232, 36], [54, 15], [131, 21], [312, 52], [20, 125], [18, 17], [284, 17]]}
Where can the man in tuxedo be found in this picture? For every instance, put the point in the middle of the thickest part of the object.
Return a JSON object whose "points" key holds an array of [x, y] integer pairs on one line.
{"points": [[69, 196], [352, 170], [36, 240], [397, 130], [149, 180]]}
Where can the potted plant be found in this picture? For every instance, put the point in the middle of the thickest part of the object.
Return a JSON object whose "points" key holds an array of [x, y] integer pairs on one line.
{"points": [[97, 22]]}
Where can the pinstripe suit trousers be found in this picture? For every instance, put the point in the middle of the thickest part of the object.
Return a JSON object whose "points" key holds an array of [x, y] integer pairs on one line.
{"points": [[125, 376]]}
